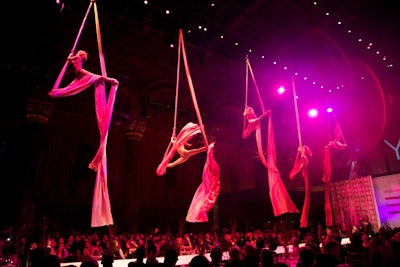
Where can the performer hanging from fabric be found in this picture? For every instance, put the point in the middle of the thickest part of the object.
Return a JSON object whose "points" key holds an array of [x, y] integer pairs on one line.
{"points": [[185, 153], [101, 210], [177, 145], [300, 165], [337, 143], [280, 199], [253, 124], [208, 191], [84, 79], [101, 207]]}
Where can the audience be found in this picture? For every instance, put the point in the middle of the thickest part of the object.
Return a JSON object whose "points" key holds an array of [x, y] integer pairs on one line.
{"points": [[246, 249]]}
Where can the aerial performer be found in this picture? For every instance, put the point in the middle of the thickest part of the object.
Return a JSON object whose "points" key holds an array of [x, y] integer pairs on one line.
{"points": [[280, 199], [101, 208], [180, 144], [207, 192], [338, 143], [301, 164]]}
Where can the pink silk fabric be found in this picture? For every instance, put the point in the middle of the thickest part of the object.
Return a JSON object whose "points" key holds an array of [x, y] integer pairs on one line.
{"points": [[280, 199], [327, 180], [301, 165], [188, 131], [207, 193], [101, 208]]}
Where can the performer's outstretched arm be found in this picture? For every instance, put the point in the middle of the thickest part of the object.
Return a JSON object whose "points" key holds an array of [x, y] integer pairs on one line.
{"points": [[77, 62]]}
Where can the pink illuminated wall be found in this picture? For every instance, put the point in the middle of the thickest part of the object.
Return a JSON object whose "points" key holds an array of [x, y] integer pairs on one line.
{"points": [[387, 193]]}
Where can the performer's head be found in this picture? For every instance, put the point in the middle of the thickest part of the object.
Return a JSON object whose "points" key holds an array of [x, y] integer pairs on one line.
{"points": [[83, 55], [249, 112], [305, 151]]}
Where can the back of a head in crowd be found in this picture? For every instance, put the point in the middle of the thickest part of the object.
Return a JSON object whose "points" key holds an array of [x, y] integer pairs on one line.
{"points": [[140, 253], [107, 260], [234, 253], [216, 254], [171, 257], [89, 263], [199, 261], [307, 256], [266, 257]]}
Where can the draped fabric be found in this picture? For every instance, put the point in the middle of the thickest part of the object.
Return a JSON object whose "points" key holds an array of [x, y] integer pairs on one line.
{"points": [[188, 131], [338, 143], [280, 199], [327, 180], [207, 193], [306, 204], [254, 125], [301, 165], [101, 208]]}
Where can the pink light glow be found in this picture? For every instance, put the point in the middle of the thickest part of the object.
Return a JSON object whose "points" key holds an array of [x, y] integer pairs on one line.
{"points": [[281, 90], [312, 113]]}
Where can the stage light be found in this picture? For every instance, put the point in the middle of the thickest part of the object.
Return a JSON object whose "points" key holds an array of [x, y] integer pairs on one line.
{"points": [[281, 90], [329, 110], [312, 113]]}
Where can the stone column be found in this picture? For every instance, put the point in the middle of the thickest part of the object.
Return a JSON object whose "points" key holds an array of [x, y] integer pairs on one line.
{"points": [[132, 174], [37, 116]]}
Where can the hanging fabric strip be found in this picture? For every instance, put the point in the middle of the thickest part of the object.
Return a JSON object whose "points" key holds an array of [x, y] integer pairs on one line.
{"points": [[327, 180], [191, 87], [207, 193], [101, 207], [280, 199]]}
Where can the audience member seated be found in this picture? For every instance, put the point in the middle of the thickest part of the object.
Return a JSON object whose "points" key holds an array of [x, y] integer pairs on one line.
{"points": [[234, 257], [107, 260], [199, 261], [306, 257], [266, 258], [216, 256], [89, 263], [140, 254], [151, 257], [171, 257], [331, 255], [250, 258]]}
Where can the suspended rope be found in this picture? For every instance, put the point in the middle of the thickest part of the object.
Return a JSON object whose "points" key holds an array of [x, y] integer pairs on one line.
{"points": [[280, 199], [179, 143], [72, 52], [101, 208], [301, 163], [208, 191]]}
